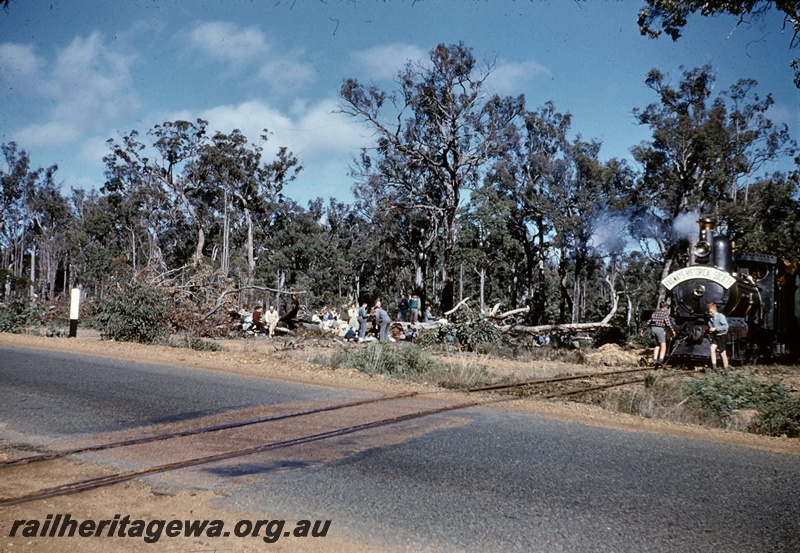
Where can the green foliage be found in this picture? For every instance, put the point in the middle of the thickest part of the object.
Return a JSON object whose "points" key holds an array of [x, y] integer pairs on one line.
{"points": [[429, 339], [472, 332], [95, 262], [134, 313], [476, 332], [718, 396], [54, 331], [770, 220], [713, 400], [671, 16], [18, 314], [196, 343], [410, 363], [19, 285], [386, 360]]}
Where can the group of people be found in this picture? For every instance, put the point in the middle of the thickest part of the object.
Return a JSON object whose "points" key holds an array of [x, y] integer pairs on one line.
{"points": [[383, 321], [264, 323], [408, 309], [354, 326], [661, 320]]}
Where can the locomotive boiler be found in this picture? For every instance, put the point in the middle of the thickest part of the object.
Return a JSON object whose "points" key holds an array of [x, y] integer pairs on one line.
{"points": [[758, 293]]}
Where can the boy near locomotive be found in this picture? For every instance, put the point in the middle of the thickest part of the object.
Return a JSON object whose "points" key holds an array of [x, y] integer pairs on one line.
{"points": [[659, 322], [718, 328]]}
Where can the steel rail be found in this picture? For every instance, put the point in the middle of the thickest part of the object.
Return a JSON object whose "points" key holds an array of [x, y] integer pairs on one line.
{"points": [[591, 388], [84, 485], [556, 379], [191, 432]]}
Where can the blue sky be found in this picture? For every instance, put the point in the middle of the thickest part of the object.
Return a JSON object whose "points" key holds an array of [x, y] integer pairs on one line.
{"points": [[75, 73]]}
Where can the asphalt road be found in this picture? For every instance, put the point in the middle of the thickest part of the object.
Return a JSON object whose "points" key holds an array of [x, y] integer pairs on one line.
{"points": [[52, 393], [497, 481]]}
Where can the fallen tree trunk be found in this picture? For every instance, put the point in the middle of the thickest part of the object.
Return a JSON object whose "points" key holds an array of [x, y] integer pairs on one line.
{"points": [[501, 316], [539, 329], [458, 305], [220, 300]]}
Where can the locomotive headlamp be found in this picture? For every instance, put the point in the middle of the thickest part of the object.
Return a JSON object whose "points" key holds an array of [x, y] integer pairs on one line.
{"points": [[699, 290], [702, 249]]}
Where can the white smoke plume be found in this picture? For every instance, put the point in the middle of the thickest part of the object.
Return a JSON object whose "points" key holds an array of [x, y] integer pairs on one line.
{"points": [[685, 225]]}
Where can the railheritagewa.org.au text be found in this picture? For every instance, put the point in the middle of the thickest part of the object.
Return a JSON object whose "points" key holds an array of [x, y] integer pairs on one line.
{"points": [[64, 526]]}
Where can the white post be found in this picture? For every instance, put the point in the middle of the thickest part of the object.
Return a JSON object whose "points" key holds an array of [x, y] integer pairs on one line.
{"points": [[74, 310]]}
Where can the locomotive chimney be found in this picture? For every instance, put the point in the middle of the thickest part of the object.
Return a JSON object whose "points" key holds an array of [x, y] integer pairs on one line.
{"points": [[718, 246], [703, 247], [705, 226]]}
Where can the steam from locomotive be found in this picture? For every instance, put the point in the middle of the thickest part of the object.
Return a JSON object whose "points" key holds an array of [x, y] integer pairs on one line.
{"points": [[758, 293]]}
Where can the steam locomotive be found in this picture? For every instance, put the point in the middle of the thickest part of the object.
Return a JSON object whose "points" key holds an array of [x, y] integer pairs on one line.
{"points": [[758, 293]]}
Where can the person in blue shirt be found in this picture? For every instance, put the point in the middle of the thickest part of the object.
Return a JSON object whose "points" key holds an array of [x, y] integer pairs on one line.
{"points": [[402, 308], [382, 320], [718, 327], [362, 321]]}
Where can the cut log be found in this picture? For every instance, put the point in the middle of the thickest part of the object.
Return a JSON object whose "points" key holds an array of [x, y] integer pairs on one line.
{"points": [[539, 329], [456, 308]]}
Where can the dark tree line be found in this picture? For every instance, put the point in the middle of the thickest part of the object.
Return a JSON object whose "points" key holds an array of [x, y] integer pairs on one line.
{"points": [[463, 194]]}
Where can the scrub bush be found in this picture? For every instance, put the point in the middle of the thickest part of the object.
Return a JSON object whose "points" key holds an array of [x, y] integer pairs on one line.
{"points": [[196, 343], [18, 314], [410, 363], [134, 313], [778, 410]]}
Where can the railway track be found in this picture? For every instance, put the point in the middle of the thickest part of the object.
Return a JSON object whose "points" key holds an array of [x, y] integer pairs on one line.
{"points": [[540, 388], [518, 389], [191, 432]]}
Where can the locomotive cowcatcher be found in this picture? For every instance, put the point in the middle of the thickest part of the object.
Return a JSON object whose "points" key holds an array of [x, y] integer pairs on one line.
{"points": [[758, 293]]}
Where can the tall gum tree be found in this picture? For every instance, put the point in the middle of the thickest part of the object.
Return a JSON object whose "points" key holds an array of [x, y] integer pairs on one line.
{"points": [[441, 124], [671, 16], [703, 149], [533, 165], [247, 184], [131, 166]]}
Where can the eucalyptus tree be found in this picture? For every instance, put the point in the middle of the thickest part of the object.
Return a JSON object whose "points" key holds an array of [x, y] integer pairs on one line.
{"points": [[295, 251], [442, 128], [670, 17], [348, 236], [583, 203], [179, 144], [533, 165], [49, 215], [771, 221], [16, 176], [33, 219], [235, 173], [149, 184], [92, 241], [491, 258], [702, 150], [407, 235]]}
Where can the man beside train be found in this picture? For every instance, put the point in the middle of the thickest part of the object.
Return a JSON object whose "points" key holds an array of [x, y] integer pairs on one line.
{"points": [[718, 328], [659, 322]]}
